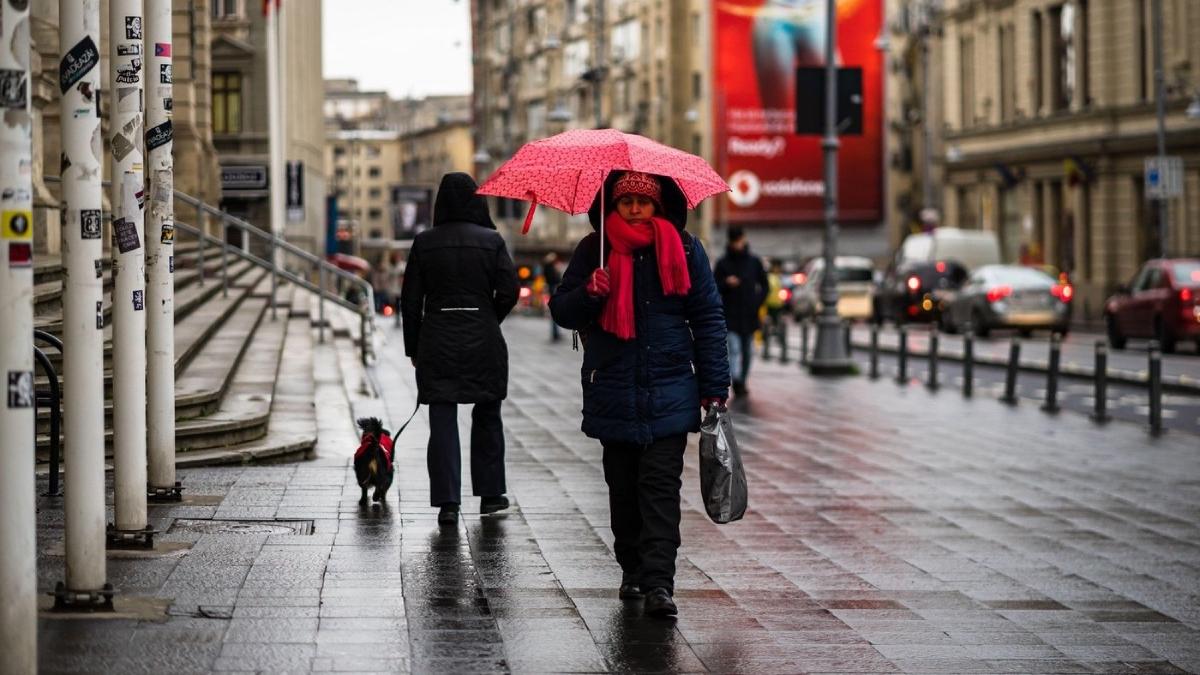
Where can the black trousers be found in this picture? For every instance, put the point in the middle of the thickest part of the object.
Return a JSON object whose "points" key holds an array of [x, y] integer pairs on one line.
{"points": [[643, 497], [444, 457]]}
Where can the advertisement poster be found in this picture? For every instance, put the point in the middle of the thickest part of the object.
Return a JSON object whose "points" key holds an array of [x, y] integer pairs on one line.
{"points": [[412, 210], [775, 175]]}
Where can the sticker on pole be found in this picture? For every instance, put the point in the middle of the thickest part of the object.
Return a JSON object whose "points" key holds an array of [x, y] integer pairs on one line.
{"points": [[100, 313], [162, 49], [133, 28], [125, 236], [164, 74], [76, 63], [20, 254], [20, 389], [168, 233], [89, 224], [159, 136], [17, 225], [139, 300], [12, 89]]}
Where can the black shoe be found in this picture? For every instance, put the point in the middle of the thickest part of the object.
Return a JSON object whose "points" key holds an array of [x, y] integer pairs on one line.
{"points": [[659, 603], [448, 515], [630, 589], [492, 504]]}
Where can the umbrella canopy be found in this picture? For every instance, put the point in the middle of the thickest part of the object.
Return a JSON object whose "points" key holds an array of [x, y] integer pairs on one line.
{"points": [[350, 263], [566, 171]]}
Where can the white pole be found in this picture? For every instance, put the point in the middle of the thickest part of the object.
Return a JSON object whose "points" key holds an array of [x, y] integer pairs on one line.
{"points": [[160, 226], [126, 68], [83, 322], [275, 131], [18, 546]]}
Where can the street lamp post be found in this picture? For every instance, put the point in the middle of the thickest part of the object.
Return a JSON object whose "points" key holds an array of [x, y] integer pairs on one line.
{"points": [[1160, 102], [830, 357]]}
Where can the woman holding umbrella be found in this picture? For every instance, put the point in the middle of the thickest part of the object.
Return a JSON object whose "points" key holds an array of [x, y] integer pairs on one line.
{"points": [[653, 331]]}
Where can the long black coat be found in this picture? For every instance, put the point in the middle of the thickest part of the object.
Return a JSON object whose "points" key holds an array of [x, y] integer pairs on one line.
{"points": [[636, 391], [459, 285], [742, 301]]}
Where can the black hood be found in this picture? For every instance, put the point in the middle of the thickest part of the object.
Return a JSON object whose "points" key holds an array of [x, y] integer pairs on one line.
{"points": [[458, 203], [673, 202]]}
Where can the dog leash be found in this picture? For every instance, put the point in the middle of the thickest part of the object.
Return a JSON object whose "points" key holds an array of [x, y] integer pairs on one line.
{"points": [[407, 422]]}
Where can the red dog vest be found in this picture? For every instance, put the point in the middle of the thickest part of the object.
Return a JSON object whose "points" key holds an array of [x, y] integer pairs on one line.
{"points": [[385, 444]]}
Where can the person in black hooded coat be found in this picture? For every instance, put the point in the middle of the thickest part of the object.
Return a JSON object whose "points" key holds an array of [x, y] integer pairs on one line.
{"points": [[459, 285]]}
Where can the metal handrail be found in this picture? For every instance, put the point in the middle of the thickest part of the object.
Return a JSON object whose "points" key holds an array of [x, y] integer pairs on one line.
{"points": [[366, 313], [55, 401]]}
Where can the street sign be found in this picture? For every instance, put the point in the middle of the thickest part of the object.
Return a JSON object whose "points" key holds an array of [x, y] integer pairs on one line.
{"points": [[1164, 180], [810, 101]]}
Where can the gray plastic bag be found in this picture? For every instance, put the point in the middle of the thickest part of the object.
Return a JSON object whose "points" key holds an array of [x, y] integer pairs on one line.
{"points": [[722, 478]]}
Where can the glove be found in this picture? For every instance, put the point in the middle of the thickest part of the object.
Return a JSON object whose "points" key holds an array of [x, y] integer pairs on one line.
{"points": [[718, 401], [597, 286]]}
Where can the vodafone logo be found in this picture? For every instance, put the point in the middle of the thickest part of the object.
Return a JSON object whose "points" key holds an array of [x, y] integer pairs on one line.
{"points": [[745, 188]]}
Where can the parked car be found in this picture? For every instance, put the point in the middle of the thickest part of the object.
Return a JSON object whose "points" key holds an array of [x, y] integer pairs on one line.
{"points": [[1160, 303], [916, 291], [855, 285], [970, 248], [1009, 296]]}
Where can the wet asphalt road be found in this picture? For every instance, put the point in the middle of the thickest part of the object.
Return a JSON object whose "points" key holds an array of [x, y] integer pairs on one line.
{"points": [[889, 531]]}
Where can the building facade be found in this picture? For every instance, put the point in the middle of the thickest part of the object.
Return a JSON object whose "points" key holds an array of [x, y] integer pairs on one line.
{"points": [[546, 66], [196, 171], [239, 115], [363, 167], [1049, 117]]}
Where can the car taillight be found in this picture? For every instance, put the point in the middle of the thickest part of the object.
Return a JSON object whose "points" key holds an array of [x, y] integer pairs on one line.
{"points": [[799, 278], [784, 295], [525, 292], [998, 293], [914, 284], [1063, 292], [1186, 295], [940, 267]]}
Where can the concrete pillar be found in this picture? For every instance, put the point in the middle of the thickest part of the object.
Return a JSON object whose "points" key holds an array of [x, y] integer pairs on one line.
{"points": [[160, 224], [83, 322], [18, 545], [126, 70]]}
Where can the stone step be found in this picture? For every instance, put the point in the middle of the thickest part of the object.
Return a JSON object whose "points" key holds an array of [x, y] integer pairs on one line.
{"points": [[187, 300], [205, 430], [47, 289], [195, 394]]}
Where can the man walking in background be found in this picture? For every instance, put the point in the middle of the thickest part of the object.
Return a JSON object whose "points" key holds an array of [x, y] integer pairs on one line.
{"points": [[742, 282]]}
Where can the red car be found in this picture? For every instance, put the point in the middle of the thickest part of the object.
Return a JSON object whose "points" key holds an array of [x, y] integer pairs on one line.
{"points": [[1162, 302]]}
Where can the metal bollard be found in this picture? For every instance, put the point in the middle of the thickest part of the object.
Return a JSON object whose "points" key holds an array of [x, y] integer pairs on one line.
{"points": [[1155, 389], [874, 373], [1010, 378], [1051, 404], [1100, 375], [902, 356], [968, 387], [932, 383], [804, 342]]}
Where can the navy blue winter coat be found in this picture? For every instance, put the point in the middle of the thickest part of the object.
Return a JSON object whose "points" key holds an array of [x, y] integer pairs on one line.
{"points": [[636, 391]]}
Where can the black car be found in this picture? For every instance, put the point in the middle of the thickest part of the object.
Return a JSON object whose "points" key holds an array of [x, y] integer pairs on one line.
{"points": [[913, 291]]}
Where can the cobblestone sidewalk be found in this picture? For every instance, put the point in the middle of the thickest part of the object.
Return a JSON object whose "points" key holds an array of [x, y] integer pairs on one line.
{"points": [[890, 531]]}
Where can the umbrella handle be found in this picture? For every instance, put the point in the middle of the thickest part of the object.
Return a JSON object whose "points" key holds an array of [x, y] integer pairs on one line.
{"points": [[602, 219]]}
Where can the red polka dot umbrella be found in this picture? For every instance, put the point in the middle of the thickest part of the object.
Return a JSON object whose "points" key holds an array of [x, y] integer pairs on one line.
{"points": [[566, 171]]}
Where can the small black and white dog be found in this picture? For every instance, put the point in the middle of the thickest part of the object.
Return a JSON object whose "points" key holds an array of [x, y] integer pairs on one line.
{"points": [[373, 465]]}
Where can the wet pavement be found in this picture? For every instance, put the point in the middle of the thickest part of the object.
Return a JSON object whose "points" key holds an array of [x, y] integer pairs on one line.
{"points": [[890, 530]]}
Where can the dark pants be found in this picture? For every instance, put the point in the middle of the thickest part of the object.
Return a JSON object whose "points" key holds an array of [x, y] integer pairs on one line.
{"points": [[741, 347], [445, 454], [643, 496], [775, 328]]}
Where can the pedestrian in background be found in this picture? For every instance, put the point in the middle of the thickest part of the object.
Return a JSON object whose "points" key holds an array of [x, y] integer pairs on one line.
{"points": [[654, 355], [459, 285], [743, 285], [553, 277], [776, 328]]}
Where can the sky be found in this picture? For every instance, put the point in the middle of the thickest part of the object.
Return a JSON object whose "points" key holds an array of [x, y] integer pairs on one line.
{"points": [[404, 47]]}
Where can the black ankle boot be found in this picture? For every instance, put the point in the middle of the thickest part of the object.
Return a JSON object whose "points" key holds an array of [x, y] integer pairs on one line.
{"points": [[630, 588], [492, 504], [659, 603], [448, 515]]}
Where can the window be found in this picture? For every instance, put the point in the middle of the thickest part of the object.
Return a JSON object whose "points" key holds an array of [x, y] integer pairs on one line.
{"points": [[226, 9], [1142, 47], [375, 193], [966, 68], [373, 151], [375, 214], [1008, 73], [1036, 81], [227, 103], [339, 174], [374, 172], [697, 87], [536, 119], [1062, 44], [626, 40], [575, 59], [339, 151]]}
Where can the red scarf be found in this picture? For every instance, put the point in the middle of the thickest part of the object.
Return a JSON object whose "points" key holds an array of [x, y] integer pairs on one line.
{"points": [[618, 317]]}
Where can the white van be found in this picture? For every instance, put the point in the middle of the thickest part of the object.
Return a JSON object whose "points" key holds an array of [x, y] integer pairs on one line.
{"points": [[970, 248]]}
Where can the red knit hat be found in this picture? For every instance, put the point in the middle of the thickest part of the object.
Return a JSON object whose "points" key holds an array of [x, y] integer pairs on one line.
{"points": [[638, 183]]}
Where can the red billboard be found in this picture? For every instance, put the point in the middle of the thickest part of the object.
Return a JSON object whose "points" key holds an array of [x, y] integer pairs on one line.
{"points": [[775, 175]]}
